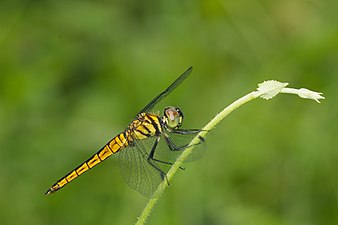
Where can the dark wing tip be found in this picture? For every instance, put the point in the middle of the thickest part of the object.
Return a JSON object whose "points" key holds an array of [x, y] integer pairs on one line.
{"points": [[167, 91]]}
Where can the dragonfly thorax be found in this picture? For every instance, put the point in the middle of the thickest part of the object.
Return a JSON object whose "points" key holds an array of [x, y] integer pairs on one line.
{"points": [[138, 143], [172, 117]]}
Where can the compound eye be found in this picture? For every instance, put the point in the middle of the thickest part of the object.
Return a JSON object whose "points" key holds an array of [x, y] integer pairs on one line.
{"points": [[173, 117]]}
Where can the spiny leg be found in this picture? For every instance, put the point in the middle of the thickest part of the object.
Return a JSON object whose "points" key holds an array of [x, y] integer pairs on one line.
{"points": [[172, 145], [190, 131], [152, 152], [151, 161]]}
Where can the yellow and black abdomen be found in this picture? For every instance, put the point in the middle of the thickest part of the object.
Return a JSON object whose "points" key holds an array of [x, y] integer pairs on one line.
{"points": [[145, 126], [116, 144]]}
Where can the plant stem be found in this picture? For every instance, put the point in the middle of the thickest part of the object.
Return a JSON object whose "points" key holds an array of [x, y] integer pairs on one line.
{"points": [[218, 118], [265, 90]]}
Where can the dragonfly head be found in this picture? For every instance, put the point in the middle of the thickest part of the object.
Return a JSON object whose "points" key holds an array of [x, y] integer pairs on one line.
{"points": [[172, 117]]}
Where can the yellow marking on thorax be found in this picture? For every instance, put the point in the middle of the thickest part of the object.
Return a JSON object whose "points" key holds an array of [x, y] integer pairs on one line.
{"points": [[156, 120], [146, 125]]}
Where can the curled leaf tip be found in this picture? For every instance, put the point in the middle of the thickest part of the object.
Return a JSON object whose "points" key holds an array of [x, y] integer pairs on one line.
{"points": [[306, 93]]}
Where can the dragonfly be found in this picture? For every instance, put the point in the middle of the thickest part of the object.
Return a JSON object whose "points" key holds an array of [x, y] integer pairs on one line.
{"points": [[145, 147]]}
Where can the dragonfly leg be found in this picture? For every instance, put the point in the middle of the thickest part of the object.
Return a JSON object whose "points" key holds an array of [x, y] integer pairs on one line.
{"points": [[189, 131], [151, 157], [151, 160], [186, 131], [173, 147]]}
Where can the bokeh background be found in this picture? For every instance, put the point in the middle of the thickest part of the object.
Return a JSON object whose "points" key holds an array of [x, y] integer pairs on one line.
{"points": [[74, 73]]}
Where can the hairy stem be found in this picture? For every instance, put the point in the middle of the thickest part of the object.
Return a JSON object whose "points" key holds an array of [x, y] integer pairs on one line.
{"points": [[218, 118], [265, 90]]}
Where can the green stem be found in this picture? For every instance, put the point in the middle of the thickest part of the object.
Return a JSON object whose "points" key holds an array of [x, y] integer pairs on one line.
{"points": [[218, 118]]}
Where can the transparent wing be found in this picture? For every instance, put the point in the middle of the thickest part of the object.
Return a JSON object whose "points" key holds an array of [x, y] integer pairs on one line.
{"points": [[145, 175], [137, 171], [179, 141], [167, 91]]}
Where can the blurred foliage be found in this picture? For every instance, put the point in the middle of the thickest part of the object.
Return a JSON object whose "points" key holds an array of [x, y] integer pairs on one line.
{"points": [[74, 73]]}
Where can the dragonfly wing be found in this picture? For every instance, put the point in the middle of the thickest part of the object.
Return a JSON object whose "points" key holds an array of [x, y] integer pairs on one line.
{"points": [[137, 171], [144, 174], [178, 142], [167, 91]]}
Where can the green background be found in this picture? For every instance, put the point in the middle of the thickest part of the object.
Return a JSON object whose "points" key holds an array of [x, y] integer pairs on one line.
{"points": [[74, 73]]}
